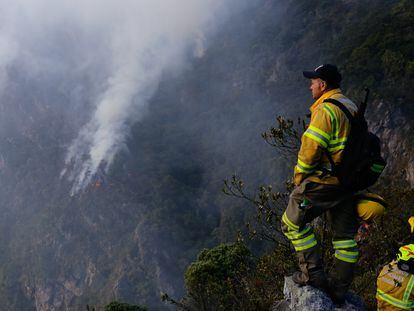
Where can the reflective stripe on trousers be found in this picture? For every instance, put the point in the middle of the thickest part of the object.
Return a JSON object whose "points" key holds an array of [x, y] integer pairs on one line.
{"points": [[346, 250], [301, 240]]}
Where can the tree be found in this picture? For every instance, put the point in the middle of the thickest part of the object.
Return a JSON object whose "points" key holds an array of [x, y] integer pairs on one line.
{"points": [[119, 306], [217, 279]]}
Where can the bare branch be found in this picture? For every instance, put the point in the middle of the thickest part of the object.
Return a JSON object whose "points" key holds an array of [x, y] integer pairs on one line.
{"points": [[285, 136]]}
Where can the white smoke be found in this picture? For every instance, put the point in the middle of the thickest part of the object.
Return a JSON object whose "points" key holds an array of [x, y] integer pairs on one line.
{"points": [[134, 41], [148, 37]]}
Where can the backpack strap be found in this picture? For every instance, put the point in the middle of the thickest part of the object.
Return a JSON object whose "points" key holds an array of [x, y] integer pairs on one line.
{"points": [[342, 107], [351, 120]]}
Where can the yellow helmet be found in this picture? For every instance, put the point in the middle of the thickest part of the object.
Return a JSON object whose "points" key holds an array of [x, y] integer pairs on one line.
{"points": [[370, 206], [405, 258], [406, 252]]}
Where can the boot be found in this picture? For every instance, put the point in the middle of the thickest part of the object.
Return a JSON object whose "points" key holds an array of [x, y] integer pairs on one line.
{"points": [[340, 280], [311, 266], [337, 293], [281, 305], [314, 277], [300, 278]]}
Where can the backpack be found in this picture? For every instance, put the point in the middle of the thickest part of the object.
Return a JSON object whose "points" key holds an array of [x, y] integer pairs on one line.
{"points": [[362, 163]]}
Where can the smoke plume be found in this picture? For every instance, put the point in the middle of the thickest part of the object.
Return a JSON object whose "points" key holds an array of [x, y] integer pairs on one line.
{"points": [[124, 47]]}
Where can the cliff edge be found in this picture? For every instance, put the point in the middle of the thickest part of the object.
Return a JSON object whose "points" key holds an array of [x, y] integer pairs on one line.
{"points": [[308, 298]]}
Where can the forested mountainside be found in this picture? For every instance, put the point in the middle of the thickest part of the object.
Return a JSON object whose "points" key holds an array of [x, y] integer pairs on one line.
{"points": [[133, 231]]}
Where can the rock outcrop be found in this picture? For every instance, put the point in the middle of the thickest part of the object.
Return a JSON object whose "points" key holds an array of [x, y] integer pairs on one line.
{"points": [[308, 298], [394, 127]]}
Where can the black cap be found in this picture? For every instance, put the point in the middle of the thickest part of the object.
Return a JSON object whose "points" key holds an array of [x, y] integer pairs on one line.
{"points": [[326, 72]]}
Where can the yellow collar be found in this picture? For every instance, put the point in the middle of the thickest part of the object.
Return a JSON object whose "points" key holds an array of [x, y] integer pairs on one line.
{"points": [[323, 97]]}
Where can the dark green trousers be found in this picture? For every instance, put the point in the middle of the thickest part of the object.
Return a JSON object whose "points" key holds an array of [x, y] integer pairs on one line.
{"points": [[308, 201]]}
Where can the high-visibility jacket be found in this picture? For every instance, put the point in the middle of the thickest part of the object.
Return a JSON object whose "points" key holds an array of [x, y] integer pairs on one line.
{"points": [[328, 131], [395, 289]]}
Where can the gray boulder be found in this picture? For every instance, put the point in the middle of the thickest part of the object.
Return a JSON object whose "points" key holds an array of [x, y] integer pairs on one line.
{"points": [[308, 298]]}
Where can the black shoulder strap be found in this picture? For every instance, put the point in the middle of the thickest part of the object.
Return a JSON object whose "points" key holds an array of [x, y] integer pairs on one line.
{"points": [[342, 107], [351, 120]]}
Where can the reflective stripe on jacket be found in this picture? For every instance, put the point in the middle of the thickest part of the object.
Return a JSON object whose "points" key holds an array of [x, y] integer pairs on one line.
{"points": [[328, 131], [395, 289]]}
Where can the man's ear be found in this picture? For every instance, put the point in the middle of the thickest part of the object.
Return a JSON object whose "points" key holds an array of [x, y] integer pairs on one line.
{"points": [[324, 85]]}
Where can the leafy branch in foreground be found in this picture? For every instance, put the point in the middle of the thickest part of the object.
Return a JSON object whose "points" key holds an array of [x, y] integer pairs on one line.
{"points": [[229, 277], [269, 208], [285, 136], [181, 305], [118, 306]]}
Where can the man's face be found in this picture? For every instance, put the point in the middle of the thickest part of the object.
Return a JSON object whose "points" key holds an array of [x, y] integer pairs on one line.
{"points": [[317, 87]]}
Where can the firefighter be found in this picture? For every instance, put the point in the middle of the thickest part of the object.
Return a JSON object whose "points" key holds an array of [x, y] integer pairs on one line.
{"points": [[370, 206], [317, 191], [395, 282]]}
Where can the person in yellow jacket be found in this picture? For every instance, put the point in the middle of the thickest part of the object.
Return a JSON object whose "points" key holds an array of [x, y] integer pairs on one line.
{"points": [[317, 191], [370, 209], [395, 282]]}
